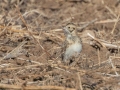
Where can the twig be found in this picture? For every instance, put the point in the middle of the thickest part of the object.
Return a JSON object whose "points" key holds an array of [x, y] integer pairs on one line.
{"points": [[52, 65], [87, 24], [15, 52], [72, 18], [7, 86], [5, 65], [111, 11], [111, 45], [107, 60], [114, 68], [96, 39], [99, 56], [111, 75], [73, 15], [5, 27], [115, 24], [35, 62], [103, 21], [15, 68], [80, 83], [47, 87]]}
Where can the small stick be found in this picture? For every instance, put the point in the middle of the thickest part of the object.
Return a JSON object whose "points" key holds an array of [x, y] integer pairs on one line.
{"points": [[111, 45], [115, 24], [99, 56], [111, 75], [100, 63], [102, 21], [107, 60], [16, 68], [87, 24], [103, 43], [5, 65], [72, 18], [80, 83], [96, 39], [114, 68], [35, 62], [111, 11], [8, 86], [15, 52], [5, 27]]}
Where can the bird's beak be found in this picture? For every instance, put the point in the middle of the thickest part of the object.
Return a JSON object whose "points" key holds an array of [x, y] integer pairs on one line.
{"points": [[66, 31]]}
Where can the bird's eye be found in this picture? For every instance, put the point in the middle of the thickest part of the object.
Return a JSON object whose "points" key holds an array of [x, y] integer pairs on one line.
{"points": [[69, 27], [73, 28]]}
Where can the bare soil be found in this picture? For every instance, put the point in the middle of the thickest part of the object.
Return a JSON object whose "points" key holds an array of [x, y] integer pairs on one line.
{"points": [[31, 45]]}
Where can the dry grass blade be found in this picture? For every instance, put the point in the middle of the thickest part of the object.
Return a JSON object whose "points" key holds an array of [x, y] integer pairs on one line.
{"points": [[16, 68], [111, 45], [115, 25], [79, 79], [104, 43], [111, 11], [99, 57], [102, 21], [87, 24], [16, 52], [4, 65], [96, 40], [40, 67], [7, 86], [21, 17], [5, 27], [47, 87], [114, 68]]}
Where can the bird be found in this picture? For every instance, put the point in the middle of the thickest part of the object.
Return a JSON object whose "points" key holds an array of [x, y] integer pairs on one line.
{"points": [[72, 44]]}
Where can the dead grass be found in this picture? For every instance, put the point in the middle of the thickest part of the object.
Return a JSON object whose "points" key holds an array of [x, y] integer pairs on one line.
{"points": [[31, 40]]}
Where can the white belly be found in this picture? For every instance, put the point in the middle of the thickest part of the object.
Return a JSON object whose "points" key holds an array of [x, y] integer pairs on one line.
{"points": [[72, 50]]}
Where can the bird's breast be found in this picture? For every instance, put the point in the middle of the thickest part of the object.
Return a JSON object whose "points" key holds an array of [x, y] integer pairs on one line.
{"points": [[77, 47]]}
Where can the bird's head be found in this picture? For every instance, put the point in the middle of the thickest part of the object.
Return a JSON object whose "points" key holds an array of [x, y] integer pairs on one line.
{"points": [[71, 28]]}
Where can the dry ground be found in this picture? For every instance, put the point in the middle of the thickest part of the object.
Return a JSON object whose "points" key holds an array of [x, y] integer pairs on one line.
{"points": [[31, 41]]}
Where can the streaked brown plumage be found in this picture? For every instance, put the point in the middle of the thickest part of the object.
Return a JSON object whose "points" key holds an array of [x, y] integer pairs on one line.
{"points": [[72, 45]]}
